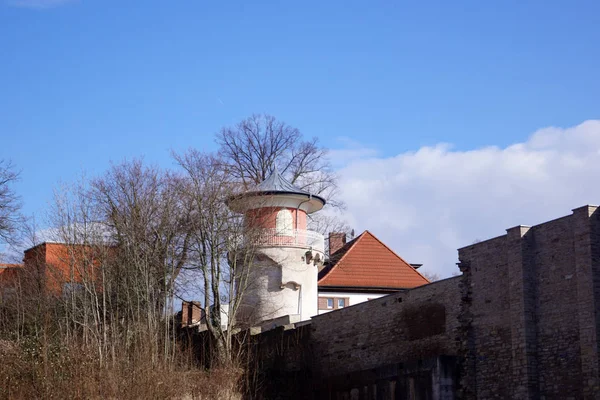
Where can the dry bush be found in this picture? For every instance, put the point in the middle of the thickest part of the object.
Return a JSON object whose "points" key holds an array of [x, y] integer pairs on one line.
{"points": [[33, 369]]}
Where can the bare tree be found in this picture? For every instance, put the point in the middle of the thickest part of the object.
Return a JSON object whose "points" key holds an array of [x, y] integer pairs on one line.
{"points": [[253, 147], [221, 248], [100, 295], [149, 226], [84, 256], [10, 202]]}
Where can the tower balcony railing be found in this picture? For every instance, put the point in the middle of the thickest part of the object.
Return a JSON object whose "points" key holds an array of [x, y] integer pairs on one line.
{"points": [[290, 238]]}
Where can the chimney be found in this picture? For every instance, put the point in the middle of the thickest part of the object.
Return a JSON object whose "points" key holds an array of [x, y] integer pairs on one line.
{"points": [[185, 312], [191, 313], [195, 312], [336, 241]]}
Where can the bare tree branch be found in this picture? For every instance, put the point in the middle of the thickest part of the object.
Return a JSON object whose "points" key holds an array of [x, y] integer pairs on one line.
{"points": [[10, 203], [216, 253], [254, 146]]}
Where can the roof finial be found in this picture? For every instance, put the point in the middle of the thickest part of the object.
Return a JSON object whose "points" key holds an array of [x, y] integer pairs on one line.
{"points": [[274, 171]]}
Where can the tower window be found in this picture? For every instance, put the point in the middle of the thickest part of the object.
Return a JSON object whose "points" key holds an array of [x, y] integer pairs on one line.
{"points": [[284, 222]]}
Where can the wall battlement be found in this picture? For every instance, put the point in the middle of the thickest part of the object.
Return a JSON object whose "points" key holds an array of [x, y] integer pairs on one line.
{"points": [[535, 302]]}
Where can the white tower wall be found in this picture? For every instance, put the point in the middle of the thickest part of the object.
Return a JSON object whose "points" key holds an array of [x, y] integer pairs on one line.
{"points": [[283, 282]]}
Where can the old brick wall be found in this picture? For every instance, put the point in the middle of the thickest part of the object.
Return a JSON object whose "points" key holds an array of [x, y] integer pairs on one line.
{"points": [[586, 242], [490, 315], [417, 324], [392, 346], [558, 355], [280, 364], [521, 322], [595, 260], [533, 303]]}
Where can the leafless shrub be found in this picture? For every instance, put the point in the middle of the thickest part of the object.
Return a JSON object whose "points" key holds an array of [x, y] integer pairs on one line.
{"points": [[93, 317], [50, 370]]}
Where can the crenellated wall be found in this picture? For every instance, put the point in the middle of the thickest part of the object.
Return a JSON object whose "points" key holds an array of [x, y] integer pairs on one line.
{"points": [[535, 307]]}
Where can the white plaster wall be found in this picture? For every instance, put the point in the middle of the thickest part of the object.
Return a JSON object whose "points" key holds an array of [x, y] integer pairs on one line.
{"points": [[282, 267], [354, 298]]}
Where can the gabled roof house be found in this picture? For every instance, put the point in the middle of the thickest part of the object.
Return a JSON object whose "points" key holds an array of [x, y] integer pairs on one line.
{"points": [[362, 269]]}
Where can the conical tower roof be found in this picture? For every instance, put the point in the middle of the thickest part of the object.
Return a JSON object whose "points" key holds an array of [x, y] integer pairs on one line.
{"points": [[277, 185]]}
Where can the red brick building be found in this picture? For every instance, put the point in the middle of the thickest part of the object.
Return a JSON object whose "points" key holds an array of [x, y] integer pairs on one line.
{"points": [[52, 268]]}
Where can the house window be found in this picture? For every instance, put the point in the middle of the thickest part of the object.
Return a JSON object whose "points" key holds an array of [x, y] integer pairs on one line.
{"points": [[333, 303], [284, 222]]}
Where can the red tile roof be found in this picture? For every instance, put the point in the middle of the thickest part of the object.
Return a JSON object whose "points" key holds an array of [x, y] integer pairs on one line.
{"points": [[366, 262]]}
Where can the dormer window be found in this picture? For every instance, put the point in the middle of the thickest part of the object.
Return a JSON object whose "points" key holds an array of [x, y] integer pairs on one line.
{"points": [[284, 222]]}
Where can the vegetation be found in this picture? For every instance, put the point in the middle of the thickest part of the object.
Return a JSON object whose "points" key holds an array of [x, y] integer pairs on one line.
{"points": [[254, 146], [10, 203], [98, 319]]}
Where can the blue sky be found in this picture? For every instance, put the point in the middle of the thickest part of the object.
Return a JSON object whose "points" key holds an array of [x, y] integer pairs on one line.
{"points": [[85, 82]]}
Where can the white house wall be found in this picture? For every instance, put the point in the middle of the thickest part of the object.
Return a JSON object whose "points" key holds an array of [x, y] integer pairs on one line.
{"points": [[353, 298]]}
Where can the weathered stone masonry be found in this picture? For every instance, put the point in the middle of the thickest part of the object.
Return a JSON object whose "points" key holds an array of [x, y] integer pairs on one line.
{"points": [[534, 302], [392, 347], [521, 322], [369, 343]]}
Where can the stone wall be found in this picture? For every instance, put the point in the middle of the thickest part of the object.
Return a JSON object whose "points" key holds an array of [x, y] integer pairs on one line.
{"points": [[280, 363], [399, 346], [534, 306], [521, 322], [416, 324]]}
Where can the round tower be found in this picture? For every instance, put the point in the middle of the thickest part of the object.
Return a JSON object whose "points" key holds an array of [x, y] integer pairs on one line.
{"points": [[283, 274]]}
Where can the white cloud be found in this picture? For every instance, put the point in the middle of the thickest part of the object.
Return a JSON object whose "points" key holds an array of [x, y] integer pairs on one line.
{"points": [[38, 4], [351, 151], [426, 204]]}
